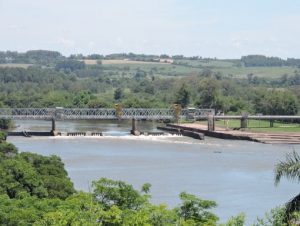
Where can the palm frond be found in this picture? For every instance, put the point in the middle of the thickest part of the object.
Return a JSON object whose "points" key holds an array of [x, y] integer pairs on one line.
{"points": [[294, 204], [292, 208], [290, 168]]}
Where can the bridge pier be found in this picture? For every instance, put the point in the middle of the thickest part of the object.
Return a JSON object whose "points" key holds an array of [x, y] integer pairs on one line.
{"points": [[244, 122], [271, 123], [134, 130], [211, 123], [53, 127]]}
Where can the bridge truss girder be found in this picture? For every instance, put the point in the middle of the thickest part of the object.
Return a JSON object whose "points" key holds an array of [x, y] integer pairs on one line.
{"points": [[98, 113]]}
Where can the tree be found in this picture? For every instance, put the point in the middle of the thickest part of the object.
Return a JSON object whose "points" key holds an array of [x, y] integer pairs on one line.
{"points": [[182, 96], [7, 150], [2, 137], [118, 94], [18, 178], [52, 173], [109, 193], [209, 92], [140, 74], [196, 209], [5, 123], [275, 217], [70, 65], [82, 98], [276, 102], [290, 168], [97, 103]]}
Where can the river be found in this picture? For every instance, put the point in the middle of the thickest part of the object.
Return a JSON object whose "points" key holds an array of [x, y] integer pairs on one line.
{"points": [[238, 175]]}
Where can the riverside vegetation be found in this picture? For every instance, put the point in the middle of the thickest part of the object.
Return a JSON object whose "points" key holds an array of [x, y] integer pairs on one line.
{"points": [[255, 84], [36, 190]]}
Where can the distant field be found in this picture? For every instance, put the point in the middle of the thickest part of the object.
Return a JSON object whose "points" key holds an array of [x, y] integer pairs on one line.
{"points": [[16, 65], [206, 63], [262, 72], [261, 125], [195, 67], [113, 62]]}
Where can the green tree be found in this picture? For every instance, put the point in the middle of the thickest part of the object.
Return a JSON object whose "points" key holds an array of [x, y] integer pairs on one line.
{"points": [[96, 103], [118, 94], [275, 217], [82, 99], [209, 92], [3, 136], [52, 173], [18, 178], [7, 150], [238, 220], [109, 193], [196, 209], [5, 123], [182, 96], [290, 168], [276, 102]]}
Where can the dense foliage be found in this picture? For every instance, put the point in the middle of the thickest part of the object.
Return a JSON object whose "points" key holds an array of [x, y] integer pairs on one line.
{"points": [[5, 124], [28, 174], [263, 61], [51, 80]]}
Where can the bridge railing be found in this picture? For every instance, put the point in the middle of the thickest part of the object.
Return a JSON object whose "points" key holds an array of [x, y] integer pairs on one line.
{"points": [[147, 113], [25, 113], [100, 113], [86, 113]]}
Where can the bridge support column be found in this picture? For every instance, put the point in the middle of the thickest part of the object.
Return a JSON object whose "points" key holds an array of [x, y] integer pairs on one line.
{"points": [[134, 130], [271, 123], [211, 123], [53, 130], [244, 122]]}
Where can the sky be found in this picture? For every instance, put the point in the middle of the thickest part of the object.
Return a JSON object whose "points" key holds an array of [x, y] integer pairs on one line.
{"points": [[207, 28]]}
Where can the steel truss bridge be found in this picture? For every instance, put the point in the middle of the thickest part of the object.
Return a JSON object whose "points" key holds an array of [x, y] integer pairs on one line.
{"points": [[102, 113]]}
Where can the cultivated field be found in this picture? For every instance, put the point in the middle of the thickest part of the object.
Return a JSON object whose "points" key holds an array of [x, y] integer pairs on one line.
{"points": [[114, 62], [16, 65]]}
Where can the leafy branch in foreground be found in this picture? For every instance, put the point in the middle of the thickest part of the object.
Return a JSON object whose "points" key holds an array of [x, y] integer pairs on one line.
{"points": [[290, 168]]}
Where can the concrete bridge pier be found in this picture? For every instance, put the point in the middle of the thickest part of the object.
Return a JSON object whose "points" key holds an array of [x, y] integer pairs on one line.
{"points": [[53, 127], [244, 122], [134, 129], [211, 123]]}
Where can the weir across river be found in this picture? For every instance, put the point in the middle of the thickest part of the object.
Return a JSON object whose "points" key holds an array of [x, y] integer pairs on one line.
{"points": [[117, 113], [174, 113]]}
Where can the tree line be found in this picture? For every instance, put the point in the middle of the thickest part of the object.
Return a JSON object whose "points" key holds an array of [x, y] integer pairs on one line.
{"points": [[50, 58], [264, 61], [54, 87]]}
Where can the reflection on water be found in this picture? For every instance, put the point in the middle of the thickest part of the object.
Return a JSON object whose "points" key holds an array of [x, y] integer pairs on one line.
{"points": [[238, 175], [110, 127]]}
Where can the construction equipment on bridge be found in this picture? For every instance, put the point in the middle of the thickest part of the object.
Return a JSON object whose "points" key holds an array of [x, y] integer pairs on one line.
{"points": [[119, 113]]}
